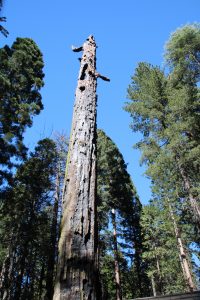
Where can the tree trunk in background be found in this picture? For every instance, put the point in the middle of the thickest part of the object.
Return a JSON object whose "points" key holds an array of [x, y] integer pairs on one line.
{"points": [[6, 276], [137, 262], [19, 278], [153, 286], [183, 257], [193, 201], [77, 269], [116, 258], [159, 285], [40, 285], [53, 238]]}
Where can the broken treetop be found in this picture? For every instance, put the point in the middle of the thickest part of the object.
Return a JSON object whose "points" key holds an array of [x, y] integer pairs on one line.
{"points": [[89, 60]]}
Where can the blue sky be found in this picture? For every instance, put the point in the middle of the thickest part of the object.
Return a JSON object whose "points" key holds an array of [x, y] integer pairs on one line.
{"points": [[126, 33]]}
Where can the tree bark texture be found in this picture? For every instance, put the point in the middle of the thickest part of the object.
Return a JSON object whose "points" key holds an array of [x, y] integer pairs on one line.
{"points": [[77, 269]]}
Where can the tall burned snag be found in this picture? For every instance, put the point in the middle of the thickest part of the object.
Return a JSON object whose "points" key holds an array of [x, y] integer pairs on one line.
{"points": [[77, 265]]}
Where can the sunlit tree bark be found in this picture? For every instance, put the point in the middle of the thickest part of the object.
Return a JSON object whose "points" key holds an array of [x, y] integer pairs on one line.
{"points": [[77, 275]]}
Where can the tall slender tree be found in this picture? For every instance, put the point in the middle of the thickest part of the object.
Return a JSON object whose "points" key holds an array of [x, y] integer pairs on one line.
{"points": [[161, 252], [183, 57], [77, 275], [165, 109]]}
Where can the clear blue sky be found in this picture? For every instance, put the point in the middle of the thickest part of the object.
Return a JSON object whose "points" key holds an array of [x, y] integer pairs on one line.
{"points": [[126, 32]]}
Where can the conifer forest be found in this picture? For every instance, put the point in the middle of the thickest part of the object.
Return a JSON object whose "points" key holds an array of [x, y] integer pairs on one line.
{"points": [[72, 223]]}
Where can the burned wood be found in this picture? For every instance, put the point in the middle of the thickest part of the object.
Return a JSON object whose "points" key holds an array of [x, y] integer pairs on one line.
{"points": [[77, 266], [77, 49], [83, 72], [98, 75]]}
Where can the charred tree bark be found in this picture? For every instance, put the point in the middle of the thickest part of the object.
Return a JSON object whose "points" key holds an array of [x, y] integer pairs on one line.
{"points": [[183, 257], [116, 258], [77, 266]]}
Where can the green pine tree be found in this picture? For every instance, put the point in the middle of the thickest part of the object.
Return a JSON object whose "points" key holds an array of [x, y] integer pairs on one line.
{"points": [[21, 78], [119, 224], [26, 221], [165, 109]]}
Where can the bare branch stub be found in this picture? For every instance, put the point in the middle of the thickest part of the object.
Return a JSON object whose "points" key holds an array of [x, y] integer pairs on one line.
{"points": [[98, 75], [77, 49], [91, 72]]}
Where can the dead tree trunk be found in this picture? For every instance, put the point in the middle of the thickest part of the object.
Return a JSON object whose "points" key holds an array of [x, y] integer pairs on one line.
{"points": [[116, 258], [77, 268], [183, 257]]}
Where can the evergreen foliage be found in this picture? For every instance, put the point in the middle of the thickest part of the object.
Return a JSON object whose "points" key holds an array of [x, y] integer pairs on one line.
{"points": [[116, 191], [161, 251], [21, 78], [165, 109], [30, 220], [30, 182], [25, 213]]}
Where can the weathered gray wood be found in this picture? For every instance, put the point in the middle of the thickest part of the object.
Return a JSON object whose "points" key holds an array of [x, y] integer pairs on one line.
{"points": [[77, 267]]}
